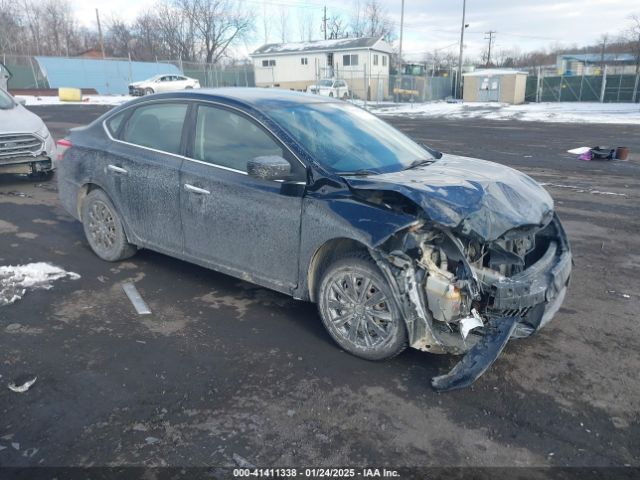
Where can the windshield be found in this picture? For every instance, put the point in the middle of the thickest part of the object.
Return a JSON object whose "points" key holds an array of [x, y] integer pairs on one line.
{"points": [[6, 102], [325, 83], [347, 139]]}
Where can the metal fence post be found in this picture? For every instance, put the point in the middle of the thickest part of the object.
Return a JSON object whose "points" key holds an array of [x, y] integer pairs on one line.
{"points": [[604, 84], [560, 89], [539, 86], [581, 84], [33, 71], [635, 88], [365, 85]]}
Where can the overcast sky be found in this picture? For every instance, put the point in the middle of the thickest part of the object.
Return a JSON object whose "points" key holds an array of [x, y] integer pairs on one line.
{"points": [[432, 24]]}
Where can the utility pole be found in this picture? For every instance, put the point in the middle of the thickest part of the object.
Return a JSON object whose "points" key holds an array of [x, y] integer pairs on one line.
{"points": [[401, 31], [458, 89], [324, 22], [490, 35], [605, 37], [100, 33]]}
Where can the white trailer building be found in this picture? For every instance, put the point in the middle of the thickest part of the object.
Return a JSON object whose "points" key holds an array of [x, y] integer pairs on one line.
{"points": [[362, 62]]}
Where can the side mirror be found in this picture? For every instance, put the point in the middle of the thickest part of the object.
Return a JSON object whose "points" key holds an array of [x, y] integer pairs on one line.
{"points": [[436, 153], [21, 101], [271, 167]]}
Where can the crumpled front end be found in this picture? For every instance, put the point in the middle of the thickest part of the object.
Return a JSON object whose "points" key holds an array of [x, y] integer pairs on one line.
{"points": [[463, 295]]}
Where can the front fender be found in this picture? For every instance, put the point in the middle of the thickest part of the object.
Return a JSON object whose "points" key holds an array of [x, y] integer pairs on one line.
{"points": [[325, 218]]}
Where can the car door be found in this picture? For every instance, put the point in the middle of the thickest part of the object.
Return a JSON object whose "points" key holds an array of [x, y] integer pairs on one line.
{"points": [[164, 85], [144, 171], [245, 226], [181, 82]]}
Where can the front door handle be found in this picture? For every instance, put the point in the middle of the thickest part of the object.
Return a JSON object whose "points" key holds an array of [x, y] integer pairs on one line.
{"points": [[193, 189], [115, 169]]}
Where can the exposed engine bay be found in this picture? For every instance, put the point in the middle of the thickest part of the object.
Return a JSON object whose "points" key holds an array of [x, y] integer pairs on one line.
{"points": [[460, 294]]}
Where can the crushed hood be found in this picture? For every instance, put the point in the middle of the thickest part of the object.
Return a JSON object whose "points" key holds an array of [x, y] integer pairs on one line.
{"points": [[480, 198]]}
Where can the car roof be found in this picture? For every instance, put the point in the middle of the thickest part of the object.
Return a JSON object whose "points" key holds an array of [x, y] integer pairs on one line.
{"points": [[249, 96]]}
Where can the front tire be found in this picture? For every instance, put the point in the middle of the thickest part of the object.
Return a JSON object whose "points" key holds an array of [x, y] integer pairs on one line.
{"points": [[103, 228], [148, 91], [358, 310]]}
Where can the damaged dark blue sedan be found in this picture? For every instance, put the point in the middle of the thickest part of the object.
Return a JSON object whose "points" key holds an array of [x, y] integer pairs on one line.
{"points": [[399, 245]]}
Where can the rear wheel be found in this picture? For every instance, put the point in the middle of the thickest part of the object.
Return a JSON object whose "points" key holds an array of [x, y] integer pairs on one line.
{"points": [[358, 309], [103, 228], [331, 94], [148, 91], [345, 96]]}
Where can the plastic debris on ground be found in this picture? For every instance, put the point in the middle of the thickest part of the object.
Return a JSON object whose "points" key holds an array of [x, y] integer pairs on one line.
{"points": [[242, 462], [22, 386]]}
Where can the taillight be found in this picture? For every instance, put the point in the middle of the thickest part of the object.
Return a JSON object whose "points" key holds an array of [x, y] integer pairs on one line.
{"points": [[62, 146]]}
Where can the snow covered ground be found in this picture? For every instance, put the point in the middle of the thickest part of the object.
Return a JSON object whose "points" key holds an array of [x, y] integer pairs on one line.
{"points": [[86, 100], [16, 280], [563, 112]]}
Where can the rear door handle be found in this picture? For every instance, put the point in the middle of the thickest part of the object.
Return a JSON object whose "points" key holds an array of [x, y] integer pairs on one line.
{"points": [[193, 189], [115, 169]]}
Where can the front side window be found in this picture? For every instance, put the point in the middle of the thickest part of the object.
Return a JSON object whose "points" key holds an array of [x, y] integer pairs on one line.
{"points": [[347, 139], [157, 126], [230, 140]]}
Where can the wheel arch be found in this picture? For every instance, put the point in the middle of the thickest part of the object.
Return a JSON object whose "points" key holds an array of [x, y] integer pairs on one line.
{"points": [[87, 188], [324, 255]]}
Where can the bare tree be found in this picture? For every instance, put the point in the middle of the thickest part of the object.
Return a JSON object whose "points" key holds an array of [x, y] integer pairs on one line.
{"points": [[633, 37], [119, 37], [219, 24], [305, 24], [337, 27], [371, 20], [283, 26], [10, 27]]}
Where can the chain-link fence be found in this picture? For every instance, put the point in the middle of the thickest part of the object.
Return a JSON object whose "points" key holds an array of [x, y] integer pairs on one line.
{"points": [[24, 72], [112, 75], [609, 88], [214, 76], [413, 88]]}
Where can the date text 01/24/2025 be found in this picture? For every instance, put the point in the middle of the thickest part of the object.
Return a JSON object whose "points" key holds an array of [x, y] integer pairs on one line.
{"points": [[314, 473]]}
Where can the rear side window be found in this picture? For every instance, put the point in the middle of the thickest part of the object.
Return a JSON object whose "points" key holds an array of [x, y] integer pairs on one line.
{"points": [[113, 124], [230, 140], [157, 126]]}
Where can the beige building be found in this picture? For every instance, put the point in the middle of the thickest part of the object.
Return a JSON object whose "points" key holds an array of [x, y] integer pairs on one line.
{"points": [[362, 62], [494, 85]]}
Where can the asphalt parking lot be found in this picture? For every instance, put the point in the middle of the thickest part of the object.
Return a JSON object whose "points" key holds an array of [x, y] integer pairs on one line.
{"points": [[223, 368]]}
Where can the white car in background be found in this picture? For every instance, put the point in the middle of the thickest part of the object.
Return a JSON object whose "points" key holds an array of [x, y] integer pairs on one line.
{"points": [[26, 146], [330, 88], [163, 83]]}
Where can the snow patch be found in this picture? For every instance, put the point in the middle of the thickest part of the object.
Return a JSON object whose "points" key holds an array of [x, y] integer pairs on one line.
{"points": [[32, 100], [15, 281], [562, 112]]}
